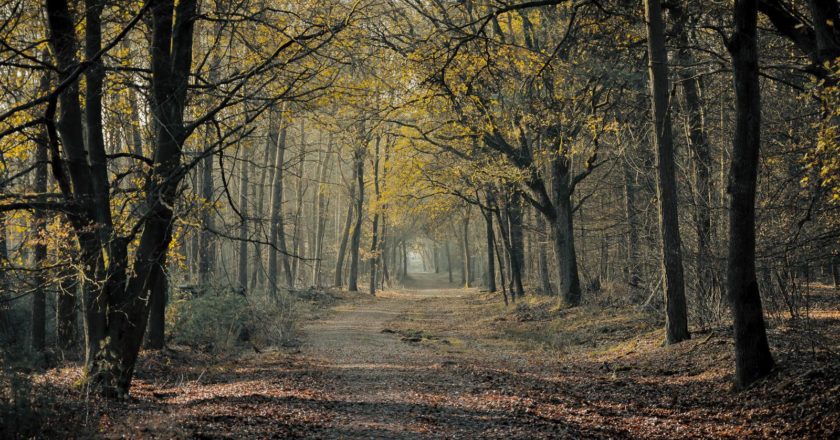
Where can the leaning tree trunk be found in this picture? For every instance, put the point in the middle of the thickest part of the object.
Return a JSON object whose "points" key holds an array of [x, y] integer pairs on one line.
{"points": [[338, 279], [676, 317], [128, 308], [113, 339], [752, 352], [355, 241]]}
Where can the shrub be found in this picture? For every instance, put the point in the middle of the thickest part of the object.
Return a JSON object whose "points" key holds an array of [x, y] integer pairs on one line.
{"points": [[219, 321]]}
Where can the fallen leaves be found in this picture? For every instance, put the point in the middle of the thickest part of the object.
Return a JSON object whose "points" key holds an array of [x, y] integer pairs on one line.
{"points": [[351, 379]]}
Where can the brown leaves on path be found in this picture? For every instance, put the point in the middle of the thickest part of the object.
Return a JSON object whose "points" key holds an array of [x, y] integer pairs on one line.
{"points": [[495, 376]]}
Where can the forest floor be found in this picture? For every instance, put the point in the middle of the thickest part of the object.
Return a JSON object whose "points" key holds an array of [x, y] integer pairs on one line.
{"points": [[430, 361]]}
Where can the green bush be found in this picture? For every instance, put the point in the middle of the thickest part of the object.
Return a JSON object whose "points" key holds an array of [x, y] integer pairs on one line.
{"points": [[219, 321]]}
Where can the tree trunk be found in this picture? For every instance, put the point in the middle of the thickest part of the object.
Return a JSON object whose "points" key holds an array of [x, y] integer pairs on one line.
{"points": [[338, 280], [321, 206], [39, 304], [491, 263], [545, 280], [269, 158], [405, 260], [500, 258], [676, 318], [277, 233], [297, 239], [374, 245], [632, 216], [155, 338], [467, 260], [562, 225], [65, 312], [355, 241], [7, 330], [564, 251], [207, 251], [513, 209], [113, 340], [448, 260], [752, 352], [697, 140], [243, 227]]}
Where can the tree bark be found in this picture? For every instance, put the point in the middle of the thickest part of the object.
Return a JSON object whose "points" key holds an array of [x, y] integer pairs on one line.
{"points": [[835, 270], [39, 304], [79, 184], [467, 260], [405, 260], [697, 140], [338, 280], [321, 217], [243, 227], [65, 312], [561, 221], [155, 338], [513, 209], [448, 260], [542, 257], [206, 251], [355, 241], [297, 238], [374, 246], [113, 339], [632, 217], [752, 352], [491, 263], [676, 318], [277, 233], [269, 158]]}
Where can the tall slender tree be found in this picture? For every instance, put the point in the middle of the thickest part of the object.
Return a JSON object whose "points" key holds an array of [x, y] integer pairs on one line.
{"points": [[676, 316]]}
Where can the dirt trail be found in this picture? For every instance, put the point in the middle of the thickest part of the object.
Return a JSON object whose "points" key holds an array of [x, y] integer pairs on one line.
{"points": [[354, 377], [429, 362], [388, 385]]}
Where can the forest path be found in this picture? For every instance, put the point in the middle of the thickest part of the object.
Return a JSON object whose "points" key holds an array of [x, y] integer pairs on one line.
{"points": [[400, 365], [404, 383], [433, 361]]}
